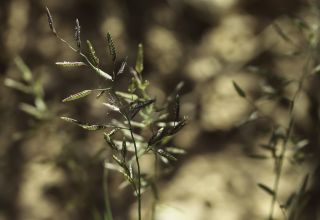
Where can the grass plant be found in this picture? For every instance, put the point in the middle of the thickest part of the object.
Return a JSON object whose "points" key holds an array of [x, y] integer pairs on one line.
{"points": [[143, 127]]}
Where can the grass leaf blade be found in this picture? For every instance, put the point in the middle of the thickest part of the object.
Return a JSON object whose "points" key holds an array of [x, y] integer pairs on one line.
{"points": [[266, 189], [238, 89], [77, 34]]}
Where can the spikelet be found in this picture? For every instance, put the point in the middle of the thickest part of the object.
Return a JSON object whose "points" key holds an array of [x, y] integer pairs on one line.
{"points": [[139, 62], [174, 150], [166, 154], [84, 125], [103, 74], [177, 108], [70, 64], [127, 96], [77, 34], [69, 119], [111, 107], [112, 49], [78, 95]]}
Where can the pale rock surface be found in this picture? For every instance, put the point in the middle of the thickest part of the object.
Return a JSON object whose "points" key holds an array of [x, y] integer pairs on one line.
{"points": [[211, 186], [233, 40], [163, 49], [222, 107]]}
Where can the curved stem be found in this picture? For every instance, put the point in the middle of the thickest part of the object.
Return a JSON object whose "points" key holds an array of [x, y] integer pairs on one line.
{"points": [[138, 167]]}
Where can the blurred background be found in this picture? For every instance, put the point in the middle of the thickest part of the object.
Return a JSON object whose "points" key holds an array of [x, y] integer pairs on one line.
{"points": [[49, 169]]}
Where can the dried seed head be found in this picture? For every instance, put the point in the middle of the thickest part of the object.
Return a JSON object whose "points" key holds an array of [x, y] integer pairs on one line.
{"points": [[77, 34], [50, 21]]}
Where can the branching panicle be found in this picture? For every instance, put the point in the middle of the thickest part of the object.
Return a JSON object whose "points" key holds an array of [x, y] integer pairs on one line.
{"points": [[126, 142]]}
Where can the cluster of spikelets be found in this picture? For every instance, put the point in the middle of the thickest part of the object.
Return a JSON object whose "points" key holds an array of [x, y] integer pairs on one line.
{"points": [[142, 127]]}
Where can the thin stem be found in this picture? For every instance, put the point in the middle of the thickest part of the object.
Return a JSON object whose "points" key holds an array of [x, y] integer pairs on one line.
{"points": [[155, 190], [281, 157], [279, 169], [313, 54], [138, 167], [106, 195]]}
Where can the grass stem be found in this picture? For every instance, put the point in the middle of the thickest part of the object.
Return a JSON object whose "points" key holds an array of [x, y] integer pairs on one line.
{"points": [[281, 157], [108, 211], [138, 167]]}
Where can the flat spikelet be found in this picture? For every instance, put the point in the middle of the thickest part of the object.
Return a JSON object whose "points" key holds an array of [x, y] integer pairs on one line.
{"points": [[70, 64], [78, 95], [77, 34]]}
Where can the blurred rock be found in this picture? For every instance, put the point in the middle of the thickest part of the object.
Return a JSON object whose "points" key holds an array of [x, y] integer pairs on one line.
{"points": [[34, 203], [164, 16], [15, 36], [187, 137], [222, 107], [114, 25], [209, 8], [211, 186], [202, 68], [163, 49], [277, 44], [233, 40]]}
